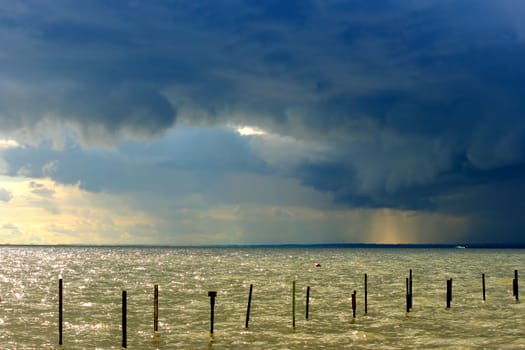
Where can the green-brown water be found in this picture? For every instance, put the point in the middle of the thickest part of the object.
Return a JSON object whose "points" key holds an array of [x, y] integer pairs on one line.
{"points": [[94, 278]]}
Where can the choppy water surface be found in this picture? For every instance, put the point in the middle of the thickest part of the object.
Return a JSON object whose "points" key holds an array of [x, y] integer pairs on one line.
{"points": [[94, 278]]}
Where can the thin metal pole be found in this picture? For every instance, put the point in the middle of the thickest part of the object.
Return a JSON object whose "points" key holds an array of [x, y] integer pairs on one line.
{"points": [[293, 304], [124, 320], [60, 304]]}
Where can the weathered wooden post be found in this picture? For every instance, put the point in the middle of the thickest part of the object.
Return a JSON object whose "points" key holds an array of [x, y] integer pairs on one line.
{"points": [[366, 293], [354, 303], [60, 304], [156, 308], [449, 292], [483, 286], [293, 304], [410, 290], [212, 295], [515, 291], [124, 320], [249, 306], [307, 301], [407, 294]]}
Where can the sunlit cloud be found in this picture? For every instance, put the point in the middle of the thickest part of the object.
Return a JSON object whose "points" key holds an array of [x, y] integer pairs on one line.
{"points": [[250, 131], [41, 212], [8, 143]]}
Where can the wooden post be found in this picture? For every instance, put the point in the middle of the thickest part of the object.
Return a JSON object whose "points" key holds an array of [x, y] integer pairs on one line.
{"points": [[449, 292], [366, 293], [156, 308], [515, 285], [410, 290], [483, 285], [307, 301], [212, 295], [354, 306], [249, 306], [293, 304], [60, 304], [408, 294], [124, 320]]}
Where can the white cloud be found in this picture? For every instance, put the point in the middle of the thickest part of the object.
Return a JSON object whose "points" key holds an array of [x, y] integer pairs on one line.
{"points": [[71, 215]]}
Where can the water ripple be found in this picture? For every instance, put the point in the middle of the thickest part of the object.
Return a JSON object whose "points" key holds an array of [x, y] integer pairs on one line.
{"points": [[95, 277]]}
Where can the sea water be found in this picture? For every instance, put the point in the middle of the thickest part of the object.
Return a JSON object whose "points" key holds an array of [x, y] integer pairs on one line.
{"points": [[94, 278]]}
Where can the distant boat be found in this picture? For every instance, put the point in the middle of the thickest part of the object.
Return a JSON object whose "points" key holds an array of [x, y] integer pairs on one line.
{"points": [[460, 247]]}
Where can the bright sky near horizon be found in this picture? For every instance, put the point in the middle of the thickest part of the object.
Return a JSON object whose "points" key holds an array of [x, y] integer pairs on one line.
{"points": [[268, 121]]}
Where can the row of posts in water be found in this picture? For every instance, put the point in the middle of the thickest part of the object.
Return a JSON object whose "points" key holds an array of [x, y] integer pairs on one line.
{"points": [[213, 294]]}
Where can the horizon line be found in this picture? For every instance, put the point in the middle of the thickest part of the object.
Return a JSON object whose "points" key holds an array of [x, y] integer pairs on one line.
{"points": [[285, 245]]}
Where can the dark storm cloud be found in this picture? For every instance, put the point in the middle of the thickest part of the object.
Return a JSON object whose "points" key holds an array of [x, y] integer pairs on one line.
{"points": [[328, 66], [136, 109], [80, 66], [418, 101]]}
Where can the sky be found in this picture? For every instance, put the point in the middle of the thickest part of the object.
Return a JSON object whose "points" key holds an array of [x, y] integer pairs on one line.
{"points": [[262, 121]]}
